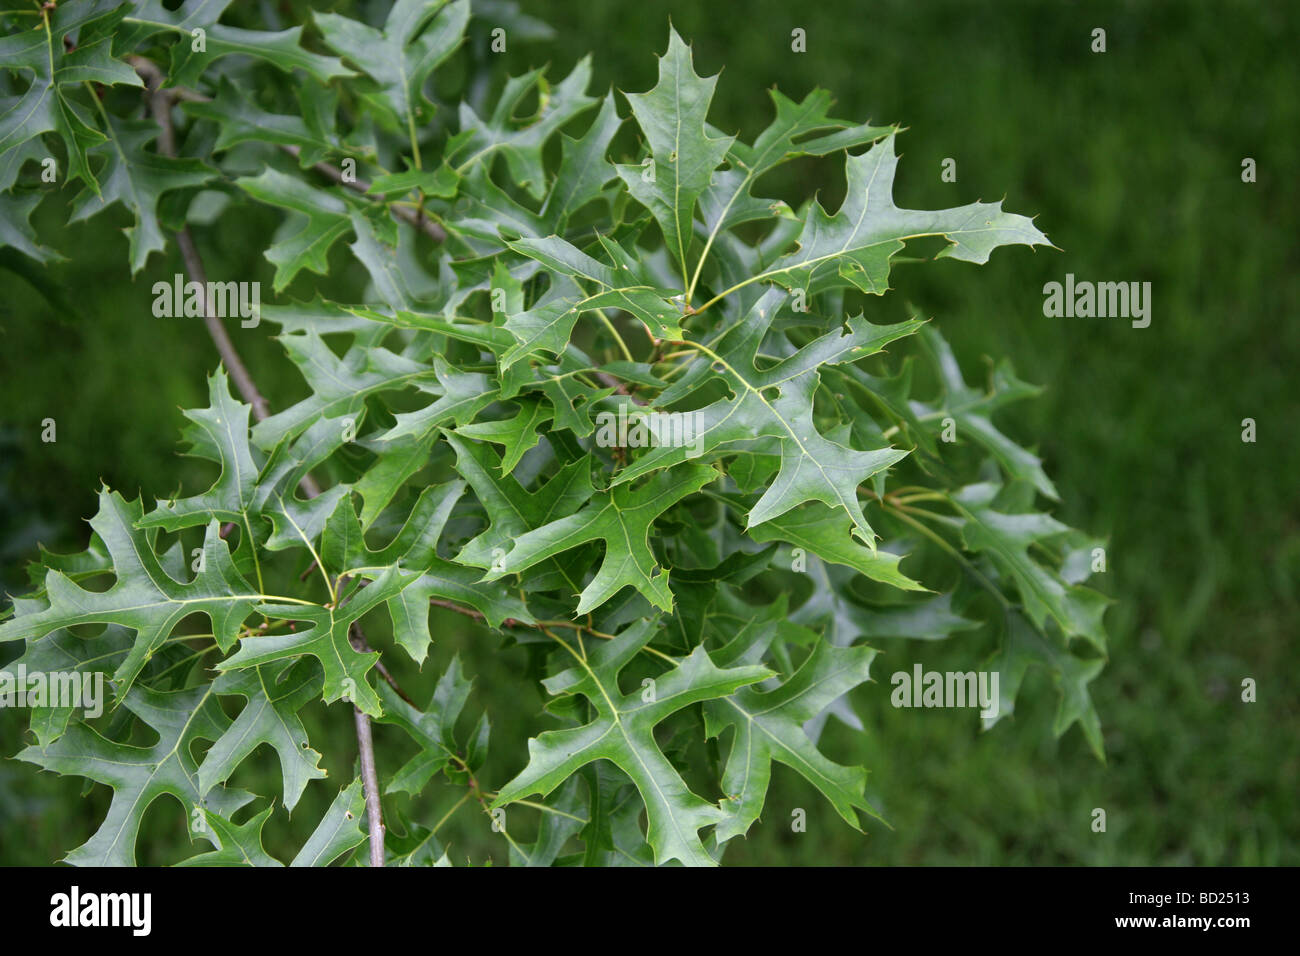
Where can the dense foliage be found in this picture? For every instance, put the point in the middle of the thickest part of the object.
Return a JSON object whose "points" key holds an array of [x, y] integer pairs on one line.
{"points": [[629, 414]]}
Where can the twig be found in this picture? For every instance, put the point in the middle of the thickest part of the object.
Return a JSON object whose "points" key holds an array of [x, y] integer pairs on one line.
{"points": [[450, 606], [391, 681], [160, 104], [416, 219], [370, 781], [621, 388], [153, 80]]}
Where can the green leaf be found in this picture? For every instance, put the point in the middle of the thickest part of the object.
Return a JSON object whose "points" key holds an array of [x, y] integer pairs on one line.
{"points": [[584, 170], [622, 518], [338, 831], [63, 653], [510, 510], [275, 694], [327, 639], [555, 828], [442, 182], [673, 117], [339, 386], [140, 775], [622, 732], [727, 203], [769, 726], [854, 246], [218, 433], [238, 845], [16, 228], [144, 596], [813, 468], [516, 435], [930, 620], [433, 729], [240, 121], [50, 102], [281, 49], [414, 548], [970, 410], [1006, 539], [548, 327], [828, 534], [327, 219], [1022, 647], [416, 37], [462, 396], [522, 144], [137, 179]]}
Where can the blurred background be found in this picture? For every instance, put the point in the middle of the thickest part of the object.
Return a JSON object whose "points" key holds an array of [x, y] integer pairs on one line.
{"points": [[1131, 160]]}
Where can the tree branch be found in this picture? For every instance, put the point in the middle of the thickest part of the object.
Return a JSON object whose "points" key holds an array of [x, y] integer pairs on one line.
{"points": [[162, 100], [369, 774], [160, 104], [416, 219]]}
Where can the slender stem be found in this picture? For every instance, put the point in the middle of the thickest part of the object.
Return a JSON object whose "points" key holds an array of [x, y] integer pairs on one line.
{"points": [[370, 780], [447, 816], [160, 104], [570, 625], [600, 313], [920, 496], [902, 514], [408, 213], [541, 806], [415, 141], [451, 606]]}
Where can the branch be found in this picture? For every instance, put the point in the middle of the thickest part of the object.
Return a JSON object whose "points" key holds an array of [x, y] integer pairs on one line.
{"points": [[153, 78], [451, 606], [366, 742], [618, 386], [160, 104], [416, 219], [369, 774]]}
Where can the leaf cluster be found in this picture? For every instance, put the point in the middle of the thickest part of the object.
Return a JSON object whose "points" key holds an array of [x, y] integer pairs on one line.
{"points": [[702, 587]]}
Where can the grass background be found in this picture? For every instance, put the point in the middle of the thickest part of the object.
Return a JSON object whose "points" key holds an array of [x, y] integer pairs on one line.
{"points": [[1131, 160]]}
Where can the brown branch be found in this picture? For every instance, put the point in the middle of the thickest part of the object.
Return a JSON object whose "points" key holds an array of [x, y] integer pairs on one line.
{"points": [[366, 741], [450, 606], [369, 773], [415, 218], [391, 680], [153, 78], [370, 781], [160, 104], [620, 387]]}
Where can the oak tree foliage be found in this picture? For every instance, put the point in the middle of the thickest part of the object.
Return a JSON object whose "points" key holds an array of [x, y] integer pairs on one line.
{"points": [[705, 583]]}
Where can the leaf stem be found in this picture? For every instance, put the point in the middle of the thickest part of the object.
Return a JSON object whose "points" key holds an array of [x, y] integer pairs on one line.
{"points": [[614, 332], [902, 514]]}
